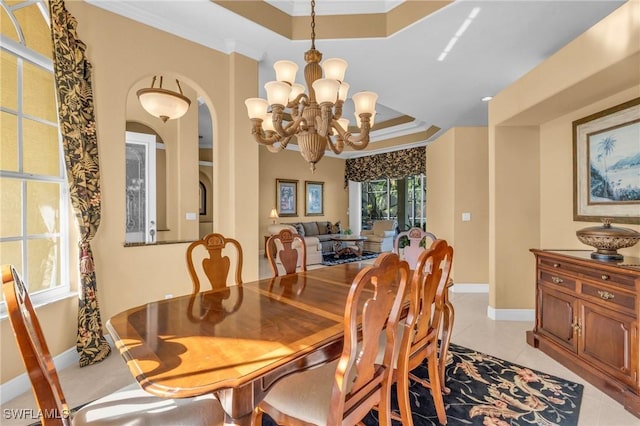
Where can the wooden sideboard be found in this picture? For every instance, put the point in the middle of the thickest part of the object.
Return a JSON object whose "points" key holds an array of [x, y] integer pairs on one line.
{"points": [[587, 314]]}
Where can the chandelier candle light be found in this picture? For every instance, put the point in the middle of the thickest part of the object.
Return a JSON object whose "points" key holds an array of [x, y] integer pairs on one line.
{"points": [[315, 117]]}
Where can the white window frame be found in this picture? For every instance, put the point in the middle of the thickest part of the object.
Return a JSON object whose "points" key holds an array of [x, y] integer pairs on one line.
{"points": [[62, 289]]}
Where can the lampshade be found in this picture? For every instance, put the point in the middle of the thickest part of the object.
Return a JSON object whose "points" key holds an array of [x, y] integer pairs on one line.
{"points": [[273, 215], [365, 102], [334, 68], [286, 71], [162, 103], [326, 90], [256, 108], [277, 92]]}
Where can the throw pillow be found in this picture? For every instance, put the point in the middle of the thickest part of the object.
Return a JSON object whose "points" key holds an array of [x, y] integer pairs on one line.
{"points": [[299, 229], [310, 228], [322, 228], [336, 228]]}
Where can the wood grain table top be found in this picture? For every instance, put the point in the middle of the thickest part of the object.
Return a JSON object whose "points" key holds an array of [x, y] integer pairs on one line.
{"points": [[196, 344]]}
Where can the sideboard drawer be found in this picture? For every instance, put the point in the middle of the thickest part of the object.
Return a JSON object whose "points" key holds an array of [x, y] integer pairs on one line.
{"points": [[610, 296], [608, 277], [558, 280]]}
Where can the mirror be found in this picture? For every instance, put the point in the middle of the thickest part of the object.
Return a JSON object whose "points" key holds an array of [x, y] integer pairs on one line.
{"points": [[180, 208]]}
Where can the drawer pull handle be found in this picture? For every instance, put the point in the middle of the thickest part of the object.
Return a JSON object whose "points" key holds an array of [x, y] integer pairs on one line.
{"points": [[557, 280], [605, 277], [556, 265], [605, 295]]}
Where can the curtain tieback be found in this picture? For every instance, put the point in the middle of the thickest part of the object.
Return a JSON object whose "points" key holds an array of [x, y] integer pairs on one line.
{"points": [[86, 262]]}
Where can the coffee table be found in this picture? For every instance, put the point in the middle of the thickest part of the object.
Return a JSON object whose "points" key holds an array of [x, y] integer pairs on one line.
{"points": [[348, 244]]}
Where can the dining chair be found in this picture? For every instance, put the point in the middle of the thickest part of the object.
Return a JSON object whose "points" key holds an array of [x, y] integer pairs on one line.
{"points": [[344, 391], [128, 406], [418, 243], [420, 331], [290, 248], [216, 266]]}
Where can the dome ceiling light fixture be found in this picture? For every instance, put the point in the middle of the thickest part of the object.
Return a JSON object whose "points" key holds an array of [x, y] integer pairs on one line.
{"points": [[313, 117], [163, 103]]}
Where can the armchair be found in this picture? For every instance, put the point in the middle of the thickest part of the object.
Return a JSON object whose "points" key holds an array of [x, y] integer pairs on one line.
{"points": [[380, 237]]}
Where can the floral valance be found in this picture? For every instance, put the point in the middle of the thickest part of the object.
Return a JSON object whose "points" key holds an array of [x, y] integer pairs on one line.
{"points": [[393, 165]]}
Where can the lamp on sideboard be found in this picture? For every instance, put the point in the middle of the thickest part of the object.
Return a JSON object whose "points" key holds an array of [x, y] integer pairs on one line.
{"points": [[273, 215]]}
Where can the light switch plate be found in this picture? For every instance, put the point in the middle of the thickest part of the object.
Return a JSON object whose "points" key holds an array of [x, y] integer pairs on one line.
{"points": [[191, 216], [466, 217]]}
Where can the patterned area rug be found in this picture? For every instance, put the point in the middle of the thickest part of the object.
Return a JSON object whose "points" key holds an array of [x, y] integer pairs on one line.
{"points": [[490, 391], [329, 259]]}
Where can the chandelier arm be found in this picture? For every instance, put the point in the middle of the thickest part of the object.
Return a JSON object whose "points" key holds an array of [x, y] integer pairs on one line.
{"points": [[282, 145], [324, 121], [359, 141], [336, 146], [291, 128], [257, 131]]}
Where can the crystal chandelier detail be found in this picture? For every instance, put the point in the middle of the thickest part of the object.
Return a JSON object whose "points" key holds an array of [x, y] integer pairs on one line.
{"points": [[314, 117]]}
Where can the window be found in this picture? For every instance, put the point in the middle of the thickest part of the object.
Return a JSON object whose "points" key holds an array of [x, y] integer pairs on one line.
{"points": [[400, 199], [33, 187]]}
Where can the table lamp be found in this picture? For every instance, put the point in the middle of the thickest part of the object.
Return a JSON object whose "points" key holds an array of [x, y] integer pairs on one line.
{"points": [[273, 215]]}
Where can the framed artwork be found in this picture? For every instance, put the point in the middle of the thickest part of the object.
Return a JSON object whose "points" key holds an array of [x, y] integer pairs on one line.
{"points": [[287, 197], [606, 169], [314, 199]]}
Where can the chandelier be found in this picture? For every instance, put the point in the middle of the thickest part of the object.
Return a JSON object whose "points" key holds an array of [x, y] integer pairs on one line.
{"points": [[313, 117], [162, 103]]}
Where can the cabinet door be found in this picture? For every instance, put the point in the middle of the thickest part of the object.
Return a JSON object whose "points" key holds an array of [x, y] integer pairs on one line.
{"points": [[557, 316], [609, 341]]}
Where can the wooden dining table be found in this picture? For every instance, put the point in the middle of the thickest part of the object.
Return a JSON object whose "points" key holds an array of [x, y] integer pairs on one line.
{"points": [[236, 342]]}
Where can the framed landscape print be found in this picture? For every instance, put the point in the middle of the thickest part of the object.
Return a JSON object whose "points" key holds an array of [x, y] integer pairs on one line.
{"points": [[314, 199], [287, 197], [606, 170]]}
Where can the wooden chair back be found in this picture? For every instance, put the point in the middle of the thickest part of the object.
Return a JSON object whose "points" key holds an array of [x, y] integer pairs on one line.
{"points": [[360, 383], [33, 349], [216, 266], [284, 245], [361, 380], [421, 329], [418, 242]]}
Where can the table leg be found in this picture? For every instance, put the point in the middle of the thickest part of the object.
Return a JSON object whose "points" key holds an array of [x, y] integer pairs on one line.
{"points": [[359, 248], [237, 404]]}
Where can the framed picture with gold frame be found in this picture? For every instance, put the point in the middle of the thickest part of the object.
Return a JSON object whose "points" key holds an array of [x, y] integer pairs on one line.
{"points": [[314, 198], [606, 169], [287, 197]]}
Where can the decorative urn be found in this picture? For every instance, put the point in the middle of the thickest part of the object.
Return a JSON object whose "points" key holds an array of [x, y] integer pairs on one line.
{"points": [[608, 239]]}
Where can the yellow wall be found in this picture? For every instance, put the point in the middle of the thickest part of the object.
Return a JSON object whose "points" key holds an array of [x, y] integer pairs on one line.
{"points": [[530, 149], [457, 182], [123, 53], [289, 164]]}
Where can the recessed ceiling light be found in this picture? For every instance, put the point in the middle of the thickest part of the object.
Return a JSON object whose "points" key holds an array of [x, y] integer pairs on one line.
{"points": [[486, 98]]}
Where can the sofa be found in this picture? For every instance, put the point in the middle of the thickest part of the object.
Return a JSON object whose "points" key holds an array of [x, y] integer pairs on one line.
{"points": [[314, 247], [322, 230], [381, 236]]}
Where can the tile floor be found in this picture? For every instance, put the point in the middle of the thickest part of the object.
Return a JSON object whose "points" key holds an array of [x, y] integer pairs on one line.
{"points": [[472, 328]]}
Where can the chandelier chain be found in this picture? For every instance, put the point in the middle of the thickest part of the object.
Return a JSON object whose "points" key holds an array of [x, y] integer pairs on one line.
{"points": [[313, 24]]}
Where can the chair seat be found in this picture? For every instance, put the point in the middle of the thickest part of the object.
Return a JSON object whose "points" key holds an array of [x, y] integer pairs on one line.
{"points": [[133, 406], [312, 390]]}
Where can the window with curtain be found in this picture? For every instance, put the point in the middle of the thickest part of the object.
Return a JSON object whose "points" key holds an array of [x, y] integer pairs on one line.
{"points": [[33, 186], [401, 199]]}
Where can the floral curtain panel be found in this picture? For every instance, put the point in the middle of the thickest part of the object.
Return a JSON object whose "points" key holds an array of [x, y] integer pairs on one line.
{"points": [[78, 128], [393, 165]]}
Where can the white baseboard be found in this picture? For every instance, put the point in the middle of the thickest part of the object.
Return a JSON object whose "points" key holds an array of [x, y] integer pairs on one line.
{"points": [[470, 288], [511, 314], [21, 384]]}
